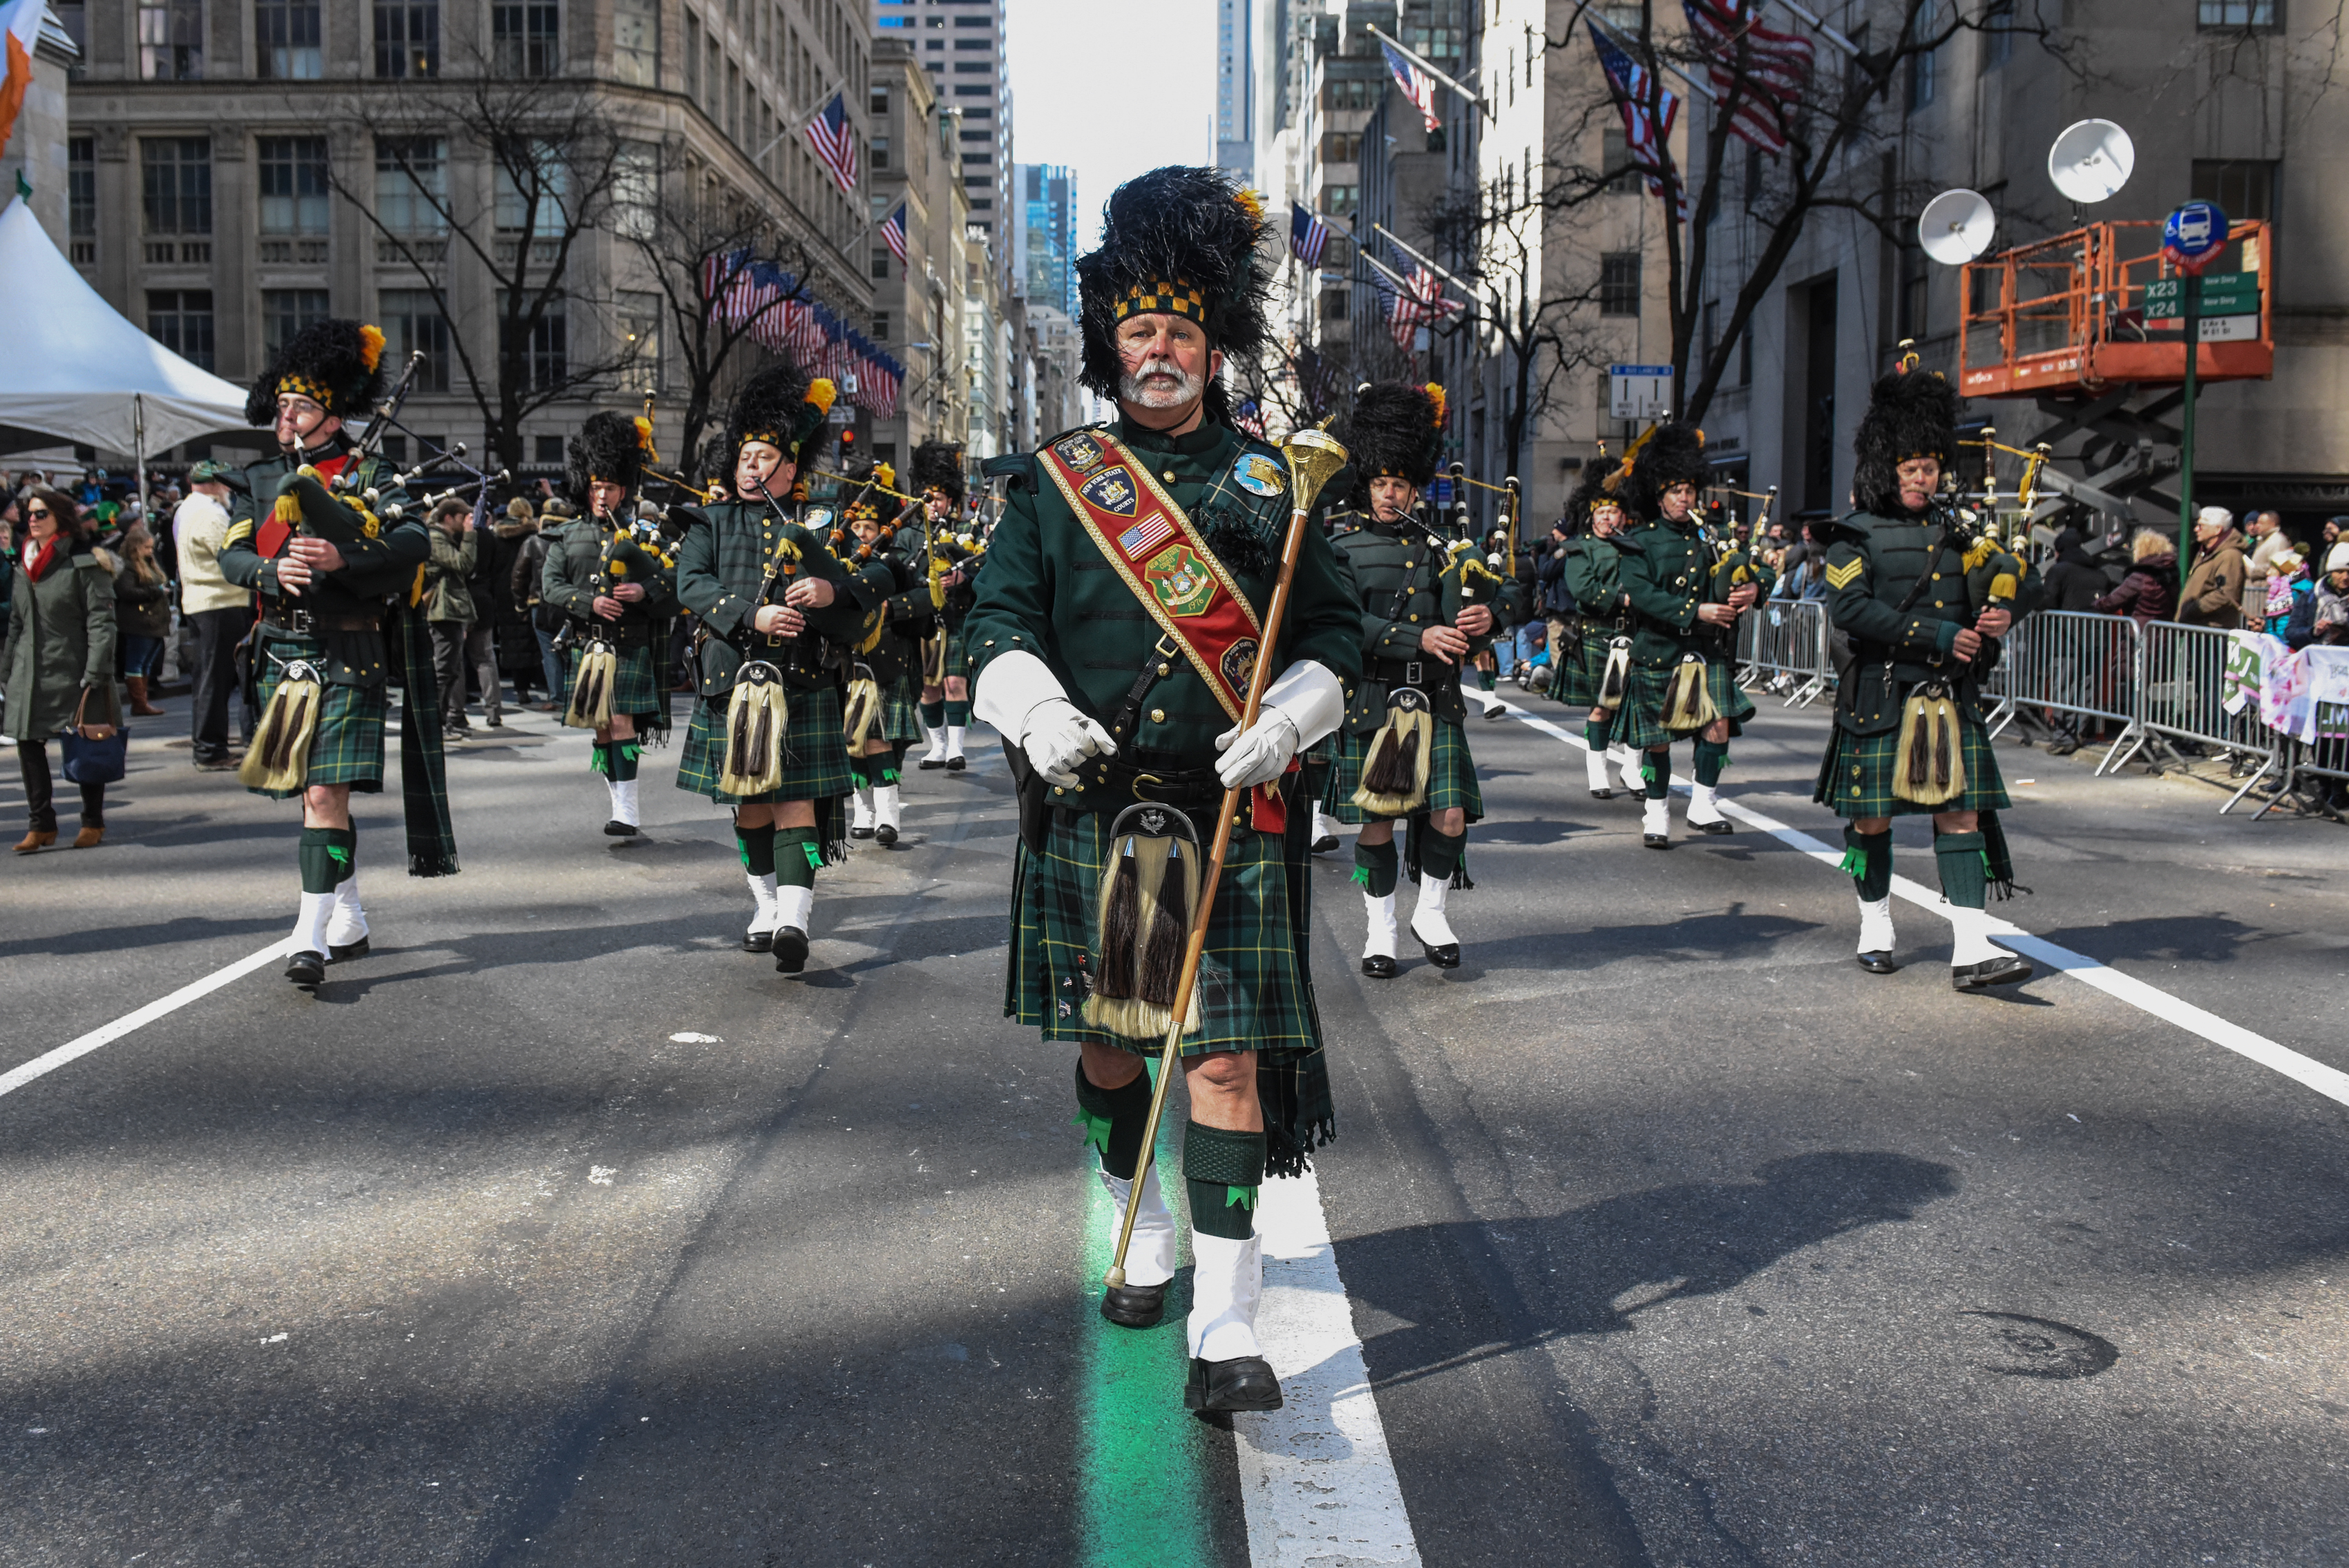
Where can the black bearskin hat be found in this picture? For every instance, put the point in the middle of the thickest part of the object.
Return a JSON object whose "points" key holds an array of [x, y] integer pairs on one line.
{"points": [[937, 465], [1591, 489], [1395, 428], [780, 406], [1911, 413], [335, 364], [611, 447], [1185, 242], [1672, 453]]}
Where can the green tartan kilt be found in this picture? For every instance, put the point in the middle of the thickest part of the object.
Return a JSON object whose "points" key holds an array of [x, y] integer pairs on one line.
{"points": [[1639, 725], [901, 711], [1574, 680], [1855, 775], [635, 690], [957, 657], [1451, 775], [346, 748], [815, 753], [1256, 992]]}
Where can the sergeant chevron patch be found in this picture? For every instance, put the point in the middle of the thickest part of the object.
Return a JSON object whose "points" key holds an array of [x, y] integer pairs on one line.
{"points": [[1842, 577]]}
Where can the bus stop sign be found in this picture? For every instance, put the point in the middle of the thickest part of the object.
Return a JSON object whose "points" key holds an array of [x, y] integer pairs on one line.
{"points": [[2193, 236]]}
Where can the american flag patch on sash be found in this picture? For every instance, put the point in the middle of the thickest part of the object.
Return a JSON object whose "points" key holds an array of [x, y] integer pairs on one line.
{"points": [[1147, 534]]}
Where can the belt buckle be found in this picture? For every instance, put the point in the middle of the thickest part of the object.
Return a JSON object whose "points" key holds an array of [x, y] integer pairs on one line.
{"points": [[1141, 778], [297, 620], [1413, 672]]}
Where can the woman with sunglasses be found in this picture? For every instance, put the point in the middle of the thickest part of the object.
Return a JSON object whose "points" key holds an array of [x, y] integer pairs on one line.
{"points": [[59, 665]]}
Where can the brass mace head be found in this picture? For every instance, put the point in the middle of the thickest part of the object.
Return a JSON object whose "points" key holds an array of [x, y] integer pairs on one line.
{"points": [[1313, 455]]}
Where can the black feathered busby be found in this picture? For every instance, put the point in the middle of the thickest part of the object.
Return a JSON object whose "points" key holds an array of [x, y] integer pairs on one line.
{"points": [[1395, 428], [937, 465], [1182, 242], [1672, 453], [610, 448], [780, 406], [1911, 413], [1591, 489], [336, 364]]}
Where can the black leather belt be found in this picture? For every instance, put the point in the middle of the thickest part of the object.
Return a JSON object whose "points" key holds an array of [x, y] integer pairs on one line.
{"points": [[296, 621]]}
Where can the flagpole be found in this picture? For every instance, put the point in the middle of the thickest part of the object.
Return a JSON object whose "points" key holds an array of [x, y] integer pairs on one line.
{"points": [[1422, 261], [1829, 34], [800, 124], [1630, 45], [1421, 61]]}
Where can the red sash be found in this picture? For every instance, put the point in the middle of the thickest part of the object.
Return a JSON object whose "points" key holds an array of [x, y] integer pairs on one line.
{"points": [[1168, 568], [270, 539]]}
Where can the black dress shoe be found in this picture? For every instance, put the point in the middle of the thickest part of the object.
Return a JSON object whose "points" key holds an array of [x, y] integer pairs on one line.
{"points": [[860, 832], [1657, 841], [1602, 794], [954, 764], [1497, 711], [616, 828], [757, 941], [930, 762], [884, 835], [344, 951], [791, 950], [1134, 1305], [1446, 956], [306, 968], [1379, 966], [1243, 1383], [2005, 969], [1325, 843], [1878, 963], [1722, 826]]}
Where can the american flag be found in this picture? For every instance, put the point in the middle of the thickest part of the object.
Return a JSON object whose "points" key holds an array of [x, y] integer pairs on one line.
{"points": [[835, 141], [1647, 127], [1416, 84], [1307, 234], [1249, 418], [1419, 303], [892, 232], [1761, 71]]}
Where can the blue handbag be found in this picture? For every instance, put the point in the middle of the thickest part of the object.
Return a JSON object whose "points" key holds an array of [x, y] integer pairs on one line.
{"points": [[91, 762]]}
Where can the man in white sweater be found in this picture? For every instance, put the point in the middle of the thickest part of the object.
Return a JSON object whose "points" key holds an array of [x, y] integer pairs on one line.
{"points": [[222, 614]]}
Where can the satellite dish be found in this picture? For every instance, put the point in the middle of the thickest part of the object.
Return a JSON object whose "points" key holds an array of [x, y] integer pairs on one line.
{"points": [[2091, 160], [1956, 226]]}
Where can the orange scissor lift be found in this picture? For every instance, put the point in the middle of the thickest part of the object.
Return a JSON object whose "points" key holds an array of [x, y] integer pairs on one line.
{"points": [[2088, 325]]}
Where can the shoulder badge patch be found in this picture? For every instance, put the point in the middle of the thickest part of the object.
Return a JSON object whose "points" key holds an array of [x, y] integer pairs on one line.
{"points": [[1842, 577], [1081, 451], [1258, 475], [816, 519]]}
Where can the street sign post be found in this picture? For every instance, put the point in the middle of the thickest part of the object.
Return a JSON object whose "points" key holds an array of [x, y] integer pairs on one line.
{"points": [[2191, 239], [1641, 391]]}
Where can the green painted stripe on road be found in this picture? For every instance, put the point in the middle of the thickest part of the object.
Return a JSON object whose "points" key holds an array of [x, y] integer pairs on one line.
{"points": [[1145, 1458]]}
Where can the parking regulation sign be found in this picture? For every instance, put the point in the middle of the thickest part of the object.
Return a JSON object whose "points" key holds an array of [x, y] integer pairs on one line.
{"points": [[1641, 391], [2193, 236]]}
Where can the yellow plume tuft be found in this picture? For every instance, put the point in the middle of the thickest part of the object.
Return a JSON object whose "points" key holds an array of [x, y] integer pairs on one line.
{"points": [[885, 476], [822, 393], [1251, 204], [645, 433], [1437, 393], [370, 346]]}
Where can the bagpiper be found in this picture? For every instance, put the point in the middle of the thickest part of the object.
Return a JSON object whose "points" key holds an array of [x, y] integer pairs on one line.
{"points": [[882, 719], [1926, 600], [1113, 643], [949, 562], [1426, 608], [615, 576], [777, 615], [337, 571], [1687, 586], [1590, 664]]}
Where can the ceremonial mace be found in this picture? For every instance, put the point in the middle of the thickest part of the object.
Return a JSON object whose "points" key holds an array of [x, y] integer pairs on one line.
{"points": [[1313, 455]]}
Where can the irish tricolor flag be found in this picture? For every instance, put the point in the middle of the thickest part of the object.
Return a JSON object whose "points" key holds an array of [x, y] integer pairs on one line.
{"points": [[22, 18]]}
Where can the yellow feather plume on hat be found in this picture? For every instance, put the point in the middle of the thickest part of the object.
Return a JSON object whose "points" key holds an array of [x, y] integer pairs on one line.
{"points": [[823, 393], [1251, 204], [644, 433], [370, 346], [1435, 395], [885, 476]]}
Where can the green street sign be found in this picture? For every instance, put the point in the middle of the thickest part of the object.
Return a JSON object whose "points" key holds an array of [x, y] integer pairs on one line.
{"points": [[2223, 293]]}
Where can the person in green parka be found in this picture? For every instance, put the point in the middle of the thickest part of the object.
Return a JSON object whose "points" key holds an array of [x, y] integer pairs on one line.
{"points": [[58, 664], [755, 572], [1120, 610]]}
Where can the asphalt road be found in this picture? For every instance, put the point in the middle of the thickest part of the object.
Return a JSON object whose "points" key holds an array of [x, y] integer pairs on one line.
{"points": [[559, 1232]]}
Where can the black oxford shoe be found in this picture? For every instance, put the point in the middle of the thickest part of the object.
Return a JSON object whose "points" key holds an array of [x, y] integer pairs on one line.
{"points": [[860, 832], [1444, 957], [928, 763], [1878, 963], [1602, 794], [306, 968], [2005, 969], [884, 835], [616, 829], [344, 951], [1657, 841], [757, 941], [1379, 966], [1325, 843], [1723, 827], [1134, 1305], [1243, 1383], [954, 764], [791, 950]]}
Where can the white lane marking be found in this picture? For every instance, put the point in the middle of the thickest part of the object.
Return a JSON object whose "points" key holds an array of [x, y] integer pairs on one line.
{"points": [[2330, 1082], [1317, 1481], [17, 1078]]}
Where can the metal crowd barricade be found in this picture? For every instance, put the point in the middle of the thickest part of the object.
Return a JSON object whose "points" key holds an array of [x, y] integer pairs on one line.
{"points": [[1783, 645], [2180, 694], [2069, 660]]}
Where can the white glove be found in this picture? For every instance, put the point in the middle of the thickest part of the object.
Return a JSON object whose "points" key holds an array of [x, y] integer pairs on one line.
{"points": [[1306, 703], [1059, 738]]}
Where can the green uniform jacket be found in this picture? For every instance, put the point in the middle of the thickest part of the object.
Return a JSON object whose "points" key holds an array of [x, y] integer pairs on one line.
{"points": [[373, 572], [1047, 590], [1872, 564], [1593, 570], [1380, 560], [720, 565], [568, 579], [1667, 570], [61, 638]]}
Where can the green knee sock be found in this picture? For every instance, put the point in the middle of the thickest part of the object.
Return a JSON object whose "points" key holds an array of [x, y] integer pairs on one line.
{"points": [[897, 757], [857, 770], [624, 759], [958, 715], [934, 716], [327, 857], [797, 855], [1377, 867], [1221, 1171], [1656, 769], [1712, 756], [1965, 877], [881, 767], [1594, 735], [1439, 853], [1867, 860], [758, 849], [1484, 680], [1113, 1119]]}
